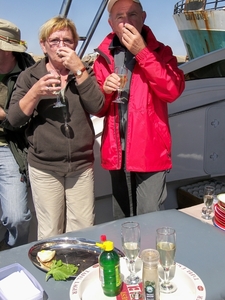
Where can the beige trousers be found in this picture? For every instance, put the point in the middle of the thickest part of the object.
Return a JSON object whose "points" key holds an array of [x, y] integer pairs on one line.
{"points": [[62, 204]]}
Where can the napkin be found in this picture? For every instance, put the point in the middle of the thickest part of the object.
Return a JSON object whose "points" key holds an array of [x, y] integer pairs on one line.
{"points": [[18, 286]]}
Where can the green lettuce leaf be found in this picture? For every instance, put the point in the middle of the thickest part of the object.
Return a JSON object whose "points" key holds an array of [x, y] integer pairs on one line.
{"points": [[60, 270]]}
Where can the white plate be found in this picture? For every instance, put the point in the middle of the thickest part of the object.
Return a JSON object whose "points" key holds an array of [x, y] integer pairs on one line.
{"points": [[87, 285]]}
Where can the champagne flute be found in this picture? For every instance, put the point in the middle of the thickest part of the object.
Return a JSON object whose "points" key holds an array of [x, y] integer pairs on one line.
{"points": [[58, 94], [208, 198], [166, 245], [122, 72], [131, 239]]}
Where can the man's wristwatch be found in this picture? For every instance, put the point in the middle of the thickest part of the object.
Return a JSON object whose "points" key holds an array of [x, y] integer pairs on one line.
{"points": [[79, 73]]}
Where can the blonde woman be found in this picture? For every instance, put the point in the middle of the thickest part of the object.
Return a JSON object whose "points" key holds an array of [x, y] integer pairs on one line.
{"points": [[61, 138]]}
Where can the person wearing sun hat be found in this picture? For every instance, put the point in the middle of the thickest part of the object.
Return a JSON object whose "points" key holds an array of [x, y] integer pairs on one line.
{"points": [[10, 37], [136, 140], [16, 216]]}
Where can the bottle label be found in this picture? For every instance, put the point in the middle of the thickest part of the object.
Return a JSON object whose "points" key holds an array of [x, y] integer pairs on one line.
{"points": [[149, 290], [117, 273], [101, 275]]}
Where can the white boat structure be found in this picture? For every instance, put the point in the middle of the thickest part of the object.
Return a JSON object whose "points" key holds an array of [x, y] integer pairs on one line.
{"points": [[201, 24]]}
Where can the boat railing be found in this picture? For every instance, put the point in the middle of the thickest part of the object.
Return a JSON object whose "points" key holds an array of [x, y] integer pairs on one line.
{"points": [[192, 5]]}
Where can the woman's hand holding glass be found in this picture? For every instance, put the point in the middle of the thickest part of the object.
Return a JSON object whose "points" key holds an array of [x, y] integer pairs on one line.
{"points": [[57, 92], [131, 239]]}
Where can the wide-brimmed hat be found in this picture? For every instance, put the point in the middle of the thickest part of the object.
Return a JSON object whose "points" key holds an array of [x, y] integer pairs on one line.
{"points": [[10, 37], [112, 2]]}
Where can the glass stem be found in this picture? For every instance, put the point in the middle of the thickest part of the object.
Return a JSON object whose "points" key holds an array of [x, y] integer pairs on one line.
{"points": [[166, 275], [132, 268], [58, 98], [119, 94], [209, 210]]}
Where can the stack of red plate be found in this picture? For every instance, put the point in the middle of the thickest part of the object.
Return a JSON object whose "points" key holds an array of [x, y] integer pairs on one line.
{"points": [[219, 212]]}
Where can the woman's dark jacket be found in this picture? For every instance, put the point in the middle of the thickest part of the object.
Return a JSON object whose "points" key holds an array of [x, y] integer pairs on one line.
{"points": [[60, 139]]}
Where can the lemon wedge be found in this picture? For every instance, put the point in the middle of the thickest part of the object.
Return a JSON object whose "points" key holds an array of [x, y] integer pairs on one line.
{"points": [[46, 255]]}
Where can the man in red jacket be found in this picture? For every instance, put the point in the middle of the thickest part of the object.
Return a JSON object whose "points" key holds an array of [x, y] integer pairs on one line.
{"points": [[136, 140]]}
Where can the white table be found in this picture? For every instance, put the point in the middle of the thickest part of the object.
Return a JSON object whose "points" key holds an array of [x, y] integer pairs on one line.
{"points": [[196, 212]]}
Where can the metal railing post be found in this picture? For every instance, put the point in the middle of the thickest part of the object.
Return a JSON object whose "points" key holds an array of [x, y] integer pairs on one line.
{"points": [[65, 8], [92, 28]]}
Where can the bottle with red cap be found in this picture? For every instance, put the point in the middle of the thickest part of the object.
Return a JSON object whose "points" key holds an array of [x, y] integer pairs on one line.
{"points": [[109, 267]]}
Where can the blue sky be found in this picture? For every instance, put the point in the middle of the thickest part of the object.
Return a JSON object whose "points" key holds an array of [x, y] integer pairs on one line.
{"points": [[29, 15]]}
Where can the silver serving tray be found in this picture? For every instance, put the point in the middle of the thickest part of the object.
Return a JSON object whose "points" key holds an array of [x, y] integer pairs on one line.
{"points": [[78, 251]]}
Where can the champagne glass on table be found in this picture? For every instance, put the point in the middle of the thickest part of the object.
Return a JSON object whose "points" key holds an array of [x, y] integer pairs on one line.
{"points": [[131, 239], [122, 72], [208, 198], [58, 94], [166, 246]]}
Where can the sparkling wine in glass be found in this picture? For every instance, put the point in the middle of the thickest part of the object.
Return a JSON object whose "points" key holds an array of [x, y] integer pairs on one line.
{"points": [[208, 197], [122, 72], [166, 246], [58, 94], [131, 239]]}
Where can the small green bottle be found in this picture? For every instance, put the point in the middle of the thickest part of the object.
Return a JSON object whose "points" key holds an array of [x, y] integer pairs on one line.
{"points": [[109, 266]]}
